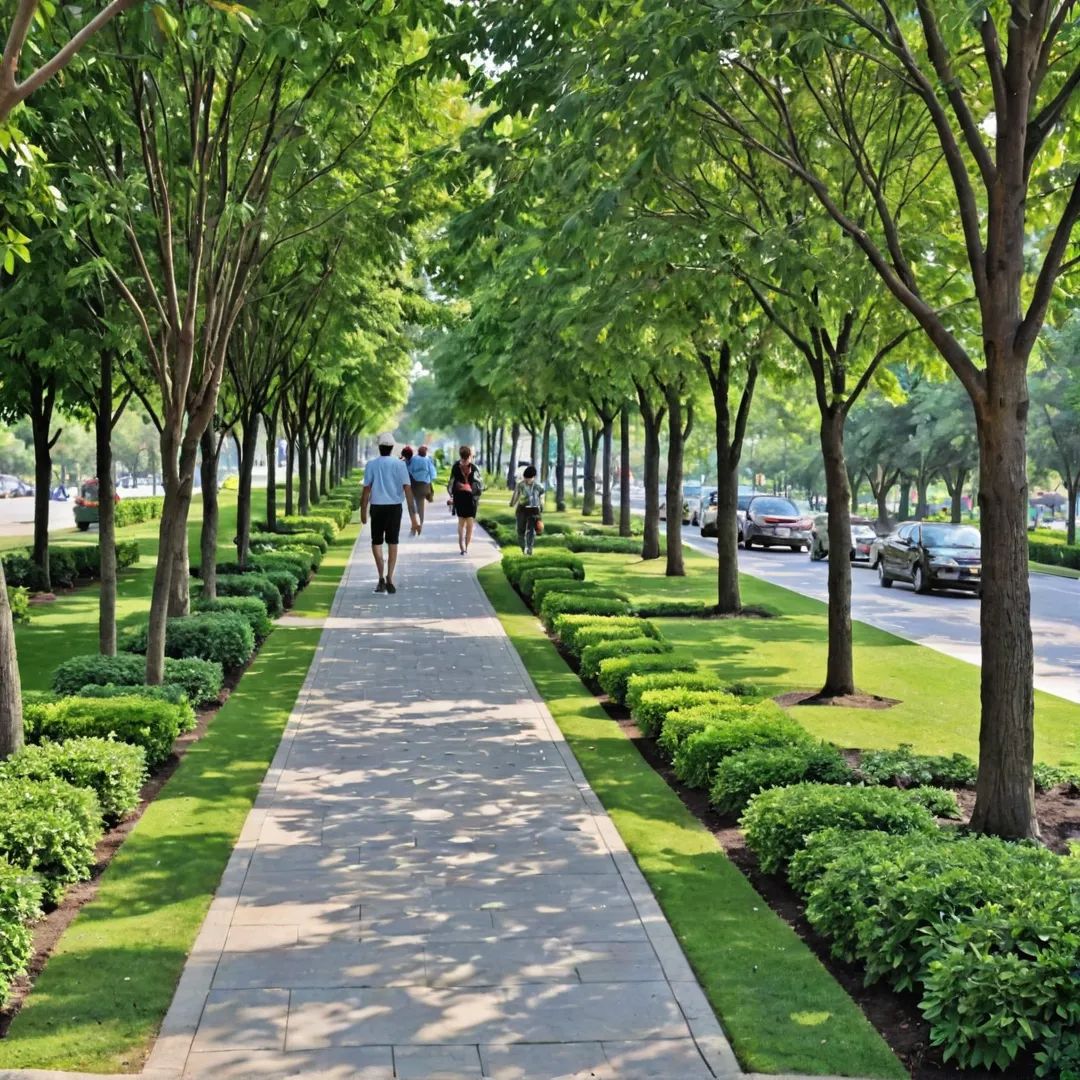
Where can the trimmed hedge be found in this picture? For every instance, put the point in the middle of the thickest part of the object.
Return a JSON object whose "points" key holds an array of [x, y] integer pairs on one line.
{"points": [[740, 776], [51, 828], [153, 725], [674, 609], [608, 545], [339, 515], [653, 706], [589, 636], [224, 637], [251, 607], [114, 771], [280, 540], [201, 679], [21, 894], [568, 627], [530, 577], [252, 585], [778, 821], [298, 564], [137, 510], [283, 579], [1053, 554], [170, 692], [592, 656], [556, 604], [615, 673], [294, 523], [699, 754], [664, 680], [545, 586], [681, 724], [515, 564]]}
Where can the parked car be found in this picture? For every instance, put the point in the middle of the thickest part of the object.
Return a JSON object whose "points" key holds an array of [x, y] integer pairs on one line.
{"points": [[694, 495], [86, 505], [708, 514], [11, 487], [685, 511], [775, 522], [862, 536], [932, 555]]}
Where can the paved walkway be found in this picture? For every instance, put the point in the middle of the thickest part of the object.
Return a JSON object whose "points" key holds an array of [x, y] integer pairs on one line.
{"points": [[427, 887]]}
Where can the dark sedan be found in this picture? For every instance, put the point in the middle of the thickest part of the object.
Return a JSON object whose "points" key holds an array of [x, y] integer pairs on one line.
{"points": [[932, 556], [775, 522]]}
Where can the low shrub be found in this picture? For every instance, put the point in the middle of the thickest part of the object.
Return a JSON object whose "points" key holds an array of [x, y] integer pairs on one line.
{"points": [[680, 724], [940, 802], [88, 557], [252, 585], [19, 602], [597, 635], [296, 563], [135, 511], [1052, 776], [556, 604], [607, 545], [672, 609], [664, 680], [592, 656], [543, 587], [295, 523], [201, 679], [340, 516], [778, 821], [987, 929], [740, 776], [568, 626], [153, 725], [514, 564], [224, 637], [1054, 554], [653, 706], [21, 572], [20, 903], [529, 578], [904, 768], [51, 828], [284, 580], [114, 771], [251, 607], [616, 672], [282, 540], [171, 692], [698, 755]]}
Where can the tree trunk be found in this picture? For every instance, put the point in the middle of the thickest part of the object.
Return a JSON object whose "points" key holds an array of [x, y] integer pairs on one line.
{"points": [[499, 452], [511, 468], [210, 450], [243, 494], [591, 442], [922, 484], [652, 419], [545, 442], [303, 470], [882, 496], [180, 586], [271, 472], [290, 503], [560, 467], [676, 564], [956, 493], [904, 510], [533, 447], [313, 476], [324, 474], [1071, 487], [606, 503], [625, 528], [573, 481], [42, 399], [103, 423], [840, 670], [853, 486], [11, 721], [1005, 790]]}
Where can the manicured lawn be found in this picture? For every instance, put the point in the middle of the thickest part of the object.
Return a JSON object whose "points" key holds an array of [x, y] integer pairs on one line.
{"points": [[1053, 571], [106, 988], [781, 1009]]}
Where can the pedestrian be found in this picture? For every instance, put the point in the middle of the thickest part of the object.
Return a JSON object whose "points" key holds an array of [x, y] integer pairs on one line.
{"points": [[465, 489], [528, 498], [423, 472], [386, 486]]}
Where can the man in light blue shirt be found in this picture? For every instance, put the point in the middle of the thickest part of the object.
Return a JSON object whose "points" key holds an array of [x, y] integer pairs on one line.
{"points": [[422, 472], [386, 485]]}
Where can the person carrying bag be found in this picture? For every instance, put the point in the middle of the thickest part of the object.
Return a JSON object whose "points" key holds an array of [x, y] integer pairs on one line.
{"points": [[528, 497]]}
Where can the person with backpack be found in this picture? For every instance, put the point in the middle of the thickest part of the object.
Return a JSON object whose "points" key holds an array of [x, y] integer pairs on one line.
{"points": [[422, 471], [466, 487], [528, 497]]}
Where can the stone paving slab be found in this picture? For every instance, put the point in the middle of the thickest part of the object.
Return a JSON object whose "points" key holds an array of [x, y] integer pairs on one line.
{"points": [[426, 885]]}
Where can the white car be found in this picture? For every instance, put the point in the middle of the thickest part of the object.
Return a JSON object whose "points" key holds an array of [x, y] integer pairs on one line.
{"points": [[708, 514], [862, 539]]}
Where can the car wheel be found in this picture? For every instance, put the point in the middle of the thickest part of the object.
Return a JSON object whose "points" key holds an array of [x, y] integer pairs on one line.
{"points": [[920, 580], [796, 548], [748, 543], [84, 526], [883, 579]]}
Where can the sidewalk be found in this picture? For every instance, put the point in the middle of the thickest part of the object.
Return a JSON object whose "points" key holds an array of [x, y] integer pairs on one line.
{"points": [[426, 886]]}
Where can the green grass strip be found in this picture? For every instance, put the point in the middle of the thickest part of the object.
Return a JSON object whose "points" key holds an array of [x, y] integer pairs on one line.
{"points": [[781, 1009], [315, 600]]}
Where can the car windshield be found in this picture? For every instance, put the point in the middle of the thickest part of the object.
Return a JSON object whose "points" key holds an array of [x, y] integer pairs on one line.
{"points": [[744, 501], [775, 506], [957, 536], [691, 490]]}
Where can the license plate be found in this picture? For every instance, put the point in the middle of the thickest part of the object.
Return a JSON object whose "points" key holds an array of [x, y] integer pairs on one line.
{"points": [[783, 532]]}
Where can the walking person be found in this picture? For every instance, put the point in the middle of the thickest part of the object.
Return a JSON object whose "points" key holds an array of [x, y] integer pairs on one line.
{"points": [[423, 472], [528, 497], [465, 489], [386, 487]]}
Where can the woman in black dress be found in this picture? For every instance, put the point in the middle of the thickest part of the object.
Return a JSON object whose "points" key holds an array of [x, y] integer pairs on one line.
{"points": [[465, 488]]}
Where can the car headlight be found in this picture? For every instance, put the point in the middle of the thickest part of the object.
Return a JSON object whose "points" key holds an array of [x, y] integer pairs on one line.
{"points": [[942, 561]]}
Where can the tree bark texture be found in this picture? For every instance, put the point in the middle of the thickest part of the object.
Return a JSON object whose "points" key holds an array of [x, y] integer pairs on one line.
{"points": [[560, 467], [103, 425], [676, 564], [625, 528], [303, 474], [954, 484], [590, 437], [290, 478], [511, 468], [42, 402], [248, 446], [210, 448], [606, 502], [652, 418], [271, 472], [11, 720], [840, 669], [545, 442]]}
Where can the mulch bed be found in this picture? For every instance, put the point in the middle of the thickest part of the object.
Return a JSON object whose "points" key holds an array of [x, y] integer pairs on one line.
{"points": [[858, 700], [894, 1015], [49, 929]]}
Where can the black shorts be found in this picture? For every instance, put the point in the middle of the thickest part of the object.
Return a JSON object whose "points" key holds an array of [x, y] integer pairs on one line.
{"points": [[385, 524]]}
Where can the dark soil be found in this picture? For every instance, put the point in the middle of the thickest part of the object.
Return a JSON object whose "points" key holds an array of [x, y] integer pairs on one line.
{"points": [[857, 700], [750, 611]]}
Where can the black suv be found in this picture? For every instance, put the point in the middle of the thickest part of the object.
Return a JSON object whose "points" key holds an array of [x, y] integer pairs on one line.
{"points": [[931, 555]]}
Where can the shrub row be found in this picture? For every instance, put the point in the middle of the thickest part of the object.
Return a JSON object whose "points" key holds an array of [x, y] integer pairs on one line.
{"points": [[295, 523], [201, 680], [171, 692], [250, 607], [556, 604], [568, 626], [67, 564], [514, 564], [1054, 554], [224, 637], [904, 768], [593, 655], [543, 587], [258, 585], [615, 673], [19, 602], [21, 894], [270, 540], [136, 511]]}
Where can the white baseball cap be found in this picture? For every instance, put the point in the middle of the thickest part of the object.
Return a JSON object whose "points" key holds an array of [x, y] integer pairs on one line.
{"points": [[386, 439]]}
